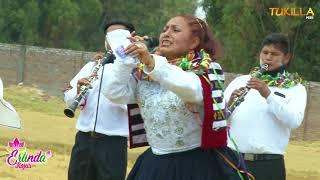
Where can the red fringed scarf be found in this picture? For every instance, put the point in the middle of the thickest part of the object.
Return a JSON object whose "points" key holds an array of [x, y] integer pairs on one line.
{"points": [[211, 137]]}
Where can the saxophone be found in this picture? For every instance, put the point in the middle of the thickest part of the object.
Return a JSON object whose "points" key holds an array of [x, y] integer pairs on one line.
{"points": [[238, 100], [107, 58]]}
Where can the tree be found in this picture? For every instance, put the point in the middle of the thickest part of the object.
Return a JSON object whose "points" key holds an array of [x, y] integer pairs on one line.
{"points": [[90, 33], [78, 24], [241, 26], [19, 21], [59, 24], [148, 16]]}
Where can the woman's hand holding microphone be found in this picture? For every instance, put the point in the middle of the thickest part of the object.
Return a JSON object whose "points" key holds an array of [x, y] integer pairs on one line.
{"points": [[139, 50]]}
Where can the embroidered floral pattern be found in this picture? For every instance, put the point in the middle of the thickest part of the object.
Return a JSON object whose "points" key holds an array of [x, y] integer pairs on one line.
{"points": [[169, 123]]}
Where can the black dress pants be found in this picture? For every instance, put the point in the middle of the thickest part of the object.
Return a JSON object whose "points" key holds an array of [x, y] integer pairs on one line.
{"points": [[98, 157], [267, 169]]}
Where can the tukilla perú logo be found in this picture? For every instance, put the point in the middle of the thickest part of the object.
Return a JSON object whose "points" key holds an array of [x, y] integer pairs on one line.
{"points": [[20, 158]]}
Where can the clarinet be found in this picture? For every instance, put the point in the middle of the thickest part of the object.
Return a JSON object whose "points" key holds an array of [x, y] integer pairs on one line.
{"points": [[238, 100], [107, 58]]}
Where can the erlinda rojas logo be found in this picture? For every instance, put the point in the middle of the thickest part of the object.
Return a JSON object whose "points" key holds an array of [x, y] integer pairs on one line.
{"points": [[19, 157]]}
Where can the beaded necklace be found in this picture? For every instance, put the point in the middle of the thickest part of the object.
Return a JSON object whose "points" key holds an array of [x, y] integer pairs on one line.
{"points": [[197, 62]]}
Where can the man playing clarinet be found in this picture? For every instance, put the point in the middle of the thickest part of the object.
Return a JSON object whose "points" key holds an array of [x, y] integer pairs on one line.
{"points": [[100, 150], [260, 126]]}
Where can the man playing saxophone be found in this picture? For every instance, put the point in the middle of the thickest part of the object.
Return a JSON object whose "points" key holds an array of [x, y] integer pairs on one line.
{"points": [[260, 125], [100, 150]]}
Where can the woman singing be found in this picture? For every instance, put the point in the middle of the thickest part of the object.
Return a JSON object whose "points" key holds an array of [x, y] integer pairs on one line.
{"points": [[179, 93]]}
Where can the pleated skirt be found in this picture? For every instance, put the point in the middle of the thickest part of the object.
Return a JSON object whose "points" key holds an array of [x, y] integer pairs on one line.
{"points": [[196, 164]]}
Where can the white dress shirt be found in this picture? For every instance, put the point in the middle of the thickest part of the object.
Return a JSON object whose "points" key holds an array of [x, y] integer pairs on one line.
{"points": [[8, 115], [5, 103], [1, 88], [112, 118], [263, 126], [168, 104]]}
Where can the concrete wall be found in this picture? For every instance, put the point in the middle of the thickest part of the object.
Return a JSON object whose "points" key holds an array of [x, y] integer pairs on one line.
{"points": [[52, 69], [47, 68]]}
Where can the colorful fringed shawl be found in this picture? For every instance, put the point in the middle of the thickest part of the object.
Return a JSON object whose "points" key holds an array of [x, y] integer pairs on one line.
{"points": [[280, 78]]}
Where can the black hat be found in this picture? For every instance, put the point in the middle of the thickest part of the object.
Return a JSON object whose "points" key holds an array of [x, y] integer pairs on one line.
{"points": [[128, 25]]}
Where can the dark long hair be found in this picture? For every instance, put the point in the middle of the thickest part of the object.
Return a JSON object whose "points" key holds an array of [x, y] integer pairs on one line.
{"points": [[207, 42]]}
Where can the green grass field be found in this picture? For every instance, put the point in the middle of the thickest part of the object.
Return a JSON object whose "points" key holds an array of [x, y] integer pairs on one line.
{"points": [[45, 127]]}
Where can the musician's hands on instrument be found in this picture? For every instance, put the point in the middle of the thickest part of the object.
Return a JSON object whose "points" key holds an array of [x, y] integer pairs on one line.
{"points": [[83, 81], [98, 56], [260, 86], [139, 49], [236, 93]]}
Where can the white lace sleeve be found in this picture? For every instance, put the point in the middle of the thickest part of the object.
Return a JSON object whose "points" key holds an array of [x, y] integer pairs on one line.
{"points": [[186, 85]]}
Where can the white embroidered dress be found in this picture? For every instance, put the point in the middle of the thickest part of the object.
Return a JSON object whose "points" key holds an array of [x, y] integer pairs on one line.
{"points": [[169, 104]]}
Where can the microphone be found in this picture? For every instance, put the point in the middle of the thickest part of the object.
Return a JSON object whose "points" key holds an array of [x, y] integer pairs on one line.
{"points": [[151, 43], [108, 57]]}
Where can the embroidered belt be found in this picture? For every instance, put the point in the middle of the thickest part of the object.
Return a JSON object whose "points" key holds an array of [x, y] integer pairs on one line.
{"points": [[261, 157]]}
